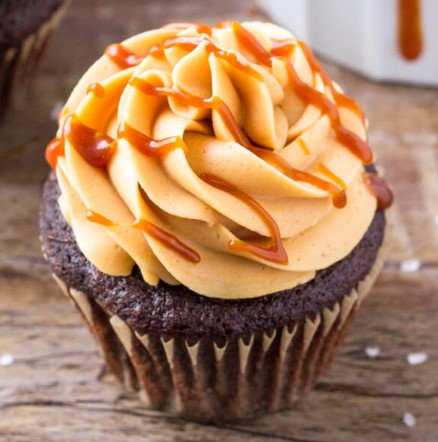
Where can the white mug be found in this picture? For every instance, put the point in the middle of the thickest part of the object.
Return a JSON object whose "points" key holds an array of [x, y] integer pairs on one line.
{"points": [[366, 35]]}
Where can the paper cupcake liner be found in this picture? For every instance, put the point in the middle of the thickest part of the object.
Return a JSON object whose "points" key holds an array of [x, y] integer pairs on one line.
{"points": [[18, 65], [244, 377]]}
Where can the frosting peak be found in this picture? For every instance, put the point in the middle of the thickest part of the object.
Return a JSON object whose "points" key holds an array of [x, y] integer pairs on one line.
{"points": [[223, 158]]}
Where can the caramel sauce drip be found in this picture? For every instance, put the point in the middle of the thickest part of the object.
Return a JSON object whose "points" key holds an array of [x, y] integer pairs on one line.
{"points": [[95, 147], [338, 195], [410, 34], [282, 48], [99, 219], [312, 96], [328, 173], [54, 150], [341, 99], [168, 240], [378, 187], [96, 89], [147, 145], [251, 44], [275, 252], [122, 57]]}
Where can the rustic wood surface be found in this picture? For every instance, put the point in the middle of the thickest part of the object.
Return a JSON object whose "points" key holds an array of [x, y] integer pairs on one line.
{"points": [[52, 387]]}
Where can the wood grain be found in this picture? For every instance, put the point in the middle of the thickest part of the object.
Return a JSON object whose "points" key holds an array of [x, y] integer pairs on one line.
{"points": [[55, 388]]}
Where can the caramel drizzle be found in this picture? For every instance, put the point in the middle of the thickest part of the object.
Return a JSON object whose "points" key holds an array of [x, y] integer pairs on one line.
{"points": [[328, 173], [95, 147], [147, 145], [97, 89], [167, 239], [341, 99], [275, 252], [339, 197], [410, 35], [250, 43], [122, 57], [378, 187], [54, 150]]}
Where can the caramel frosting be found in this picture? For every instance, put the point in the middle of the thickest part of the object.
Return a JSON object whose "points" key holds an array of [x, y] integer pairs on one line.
{"points": [[223, 159]]}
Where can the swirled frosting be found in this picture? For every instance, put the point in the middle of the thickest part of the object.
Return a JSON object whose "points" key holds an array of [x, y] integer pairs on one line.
{"points": [[220, 158]]}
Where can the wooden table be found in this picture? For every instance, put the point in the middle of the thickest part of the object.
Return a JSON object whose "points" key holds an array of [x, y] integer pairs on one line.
{"points": [[52, 386]]}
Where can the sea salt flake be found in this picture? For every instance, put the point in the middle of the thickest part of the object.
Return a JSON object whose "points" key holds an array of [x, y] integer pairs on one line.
{"points": [[5, 392], [409, 420], [417, 358], [436, 219], [410, 265], [56, 109], [372, 351], [6, 359]]}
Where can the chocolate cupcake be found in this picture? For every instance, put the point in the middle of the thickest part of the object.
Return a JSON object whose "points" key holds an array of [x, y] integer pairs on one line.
{"points": [[26, 26], [215, 216]]}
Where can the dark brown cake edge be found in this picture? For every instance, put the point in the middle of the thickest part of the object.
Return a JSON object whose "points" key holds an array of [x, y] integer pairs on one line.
{"points": [[176, 310]]}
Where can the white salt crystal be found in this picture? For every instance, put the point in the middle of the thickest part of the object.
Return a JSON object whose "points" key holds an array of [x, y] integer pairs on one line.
{"points": [[6, 359], [372, 352], [417, 358], [410, 265], [409, 420], [56, 109], [5, 392], [436, 219]]}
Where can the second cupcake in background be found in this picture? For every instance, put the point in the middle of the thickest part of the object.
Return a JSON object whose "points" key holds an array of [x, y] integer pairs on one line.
{"points": [[214, 214], [26, 26]]}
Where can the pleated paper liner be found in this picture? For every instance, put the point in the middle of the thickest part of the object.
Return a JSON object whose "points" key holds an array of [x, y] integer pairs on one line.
{"points": [[18, 65], [240, 378]]}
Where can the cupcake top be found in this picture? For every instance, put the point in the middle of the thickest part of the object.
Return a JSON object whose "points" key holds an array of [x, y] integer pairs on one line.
{"points": [[223, 159]]}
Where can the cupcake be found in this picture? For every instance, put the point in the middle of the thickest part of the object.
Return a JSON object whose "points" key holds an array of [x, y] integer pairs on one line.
{"points": [[215, 215], [26, 26]]}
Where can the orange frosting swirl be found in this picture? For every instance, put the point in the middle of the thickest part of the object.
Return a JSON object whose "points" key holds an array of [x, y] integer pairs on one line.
{"points": [[223, 158]]}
